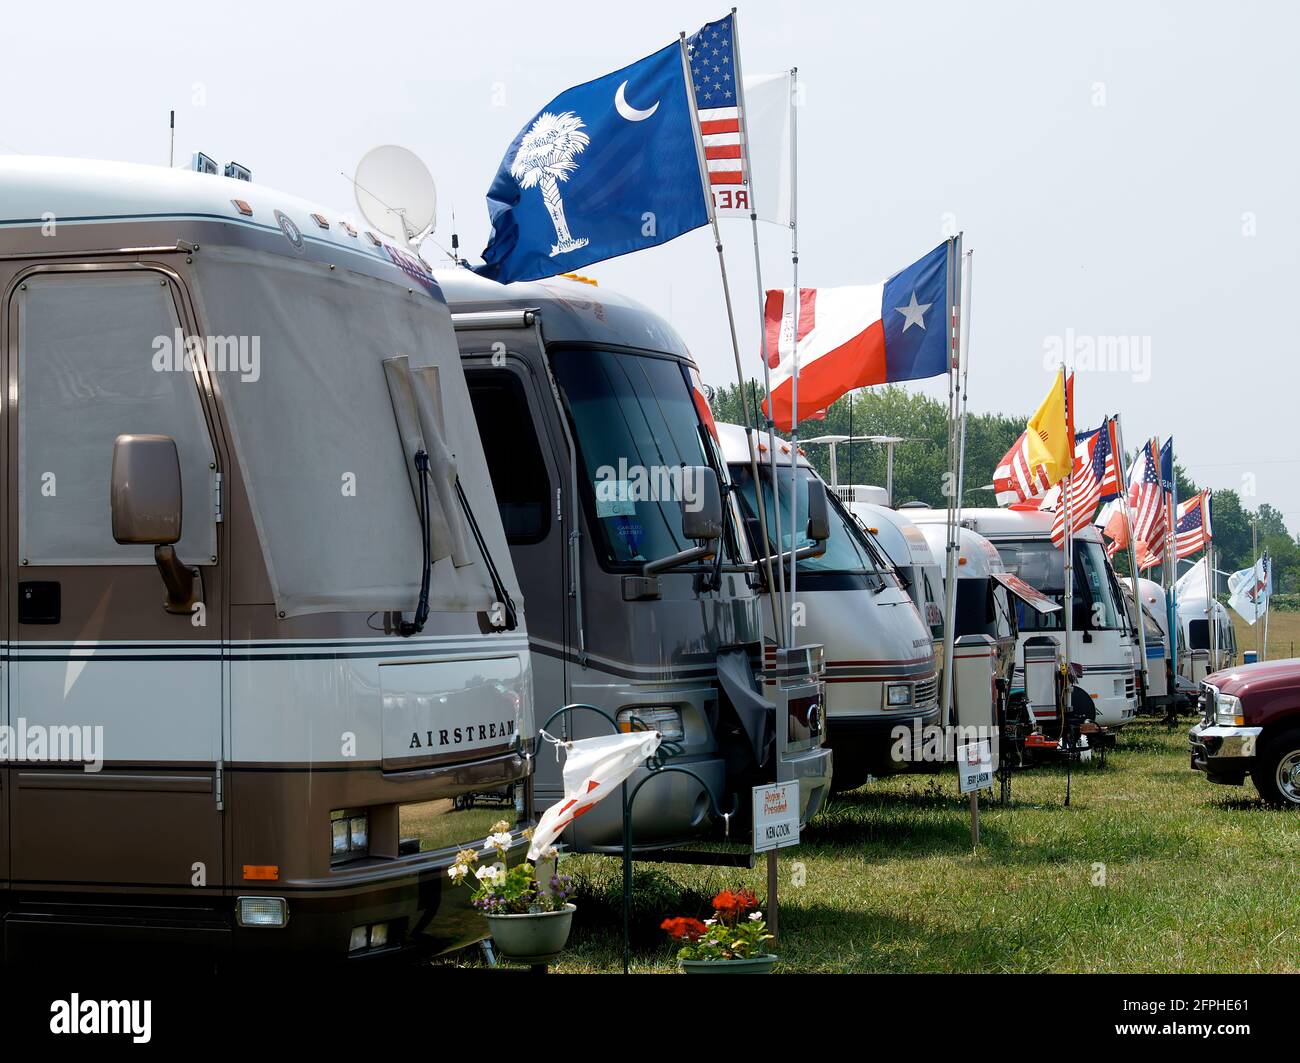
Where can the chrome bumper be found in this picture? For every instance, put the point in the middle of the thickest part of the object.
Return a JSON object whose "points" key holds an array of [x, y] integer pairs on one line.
{"points": [[1220, 750]]}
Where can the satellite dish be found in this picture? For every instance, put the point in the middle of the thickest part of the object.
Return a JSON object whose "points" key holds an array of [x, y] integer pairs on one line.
{"points": [[395, 193]]}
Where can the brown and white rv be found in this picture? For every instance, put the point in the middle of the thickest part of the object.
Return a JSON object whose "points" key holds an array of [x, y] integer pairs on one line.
{"points": [[266, 661]]}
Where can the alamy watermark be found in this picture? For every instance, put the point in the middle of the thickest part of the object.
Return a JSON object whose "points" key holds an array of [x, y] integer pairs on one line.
{"points": [[179, 353], [1103, 354], [54, 743], [618, 489]]}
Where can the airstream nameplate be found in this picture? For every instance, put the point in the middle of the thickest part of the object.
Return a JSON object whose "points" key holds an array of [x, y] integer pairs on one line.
{"points": [[436, 711]]}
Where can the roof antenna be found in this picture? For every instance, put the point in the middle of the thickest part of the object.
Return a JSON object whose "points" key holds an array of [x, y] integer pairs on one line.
{"points": [[171, 155], [455, 239]]}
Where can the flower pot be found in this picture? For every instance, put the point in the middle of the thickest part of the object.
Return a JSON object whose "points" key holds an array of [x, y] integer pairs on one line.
{"points": [[534, 937], [749, 965]]}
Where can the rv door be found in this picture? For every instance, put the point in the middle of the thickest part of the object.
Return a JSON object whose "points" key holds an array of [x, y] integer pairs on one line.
{"points": [[117, 697], [509, 404]]}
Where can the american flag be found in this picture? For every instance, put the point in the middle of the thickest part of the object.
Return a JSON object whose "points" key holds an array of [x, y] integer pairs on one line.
{"points": [[712, 55], [1146, 500], [1094, 462], [1015, 480], [1193, 529]]}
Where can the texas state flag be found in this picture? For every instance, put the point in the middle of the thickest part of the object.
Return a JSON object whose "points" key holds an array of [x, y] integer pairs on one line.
{"points": [[855, 336]]}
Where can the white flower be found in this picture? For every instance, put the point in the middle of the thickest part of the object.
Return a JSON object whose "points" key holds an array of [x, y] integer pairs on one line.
{"points": [[492, 874], [457, 872], [710, 922], [500, 841], [552, 852], [754, 917]]}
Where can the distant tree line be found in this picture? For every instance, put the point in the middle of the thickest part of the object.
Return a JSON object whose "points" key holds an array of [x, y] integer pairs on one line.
{"points": [[919, 467]]}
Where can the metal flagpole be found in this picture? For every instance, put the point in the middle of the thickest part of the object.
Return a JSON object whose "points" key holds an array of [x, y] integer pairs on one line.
{"points": [[722, 268], [1132, 553], [794, 381], [1268, 602], [780, 613], [1068, 552], [950, 565], [1171, 554], [1254, 561], [1212, 623]]}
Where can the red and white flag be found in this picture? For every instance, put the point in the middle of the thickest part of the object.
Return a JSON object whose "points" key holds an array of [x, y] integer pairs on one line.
{"points": [[1017, 479]]}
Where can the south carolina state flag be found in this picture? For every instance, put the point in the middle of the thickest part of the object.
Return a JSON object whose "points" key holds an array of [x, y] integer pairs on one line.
{"points": [[605, 168], [856, 336]]}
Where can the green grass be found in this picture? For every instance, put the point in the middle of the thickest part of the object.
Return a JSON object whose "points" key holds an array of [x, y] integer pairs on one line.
{"points": [[1283, 634], [1197, 878]]}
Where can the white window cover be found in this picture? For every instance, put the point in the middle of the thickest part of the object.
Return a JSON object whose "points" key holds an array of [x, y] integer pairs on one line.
{"points": [[85, 376], [319, 418]]}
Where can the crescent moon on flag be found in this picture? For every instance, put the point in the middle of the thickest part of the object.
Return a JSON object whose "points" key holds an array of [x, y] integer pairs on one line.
{"points": [[626, 110]]}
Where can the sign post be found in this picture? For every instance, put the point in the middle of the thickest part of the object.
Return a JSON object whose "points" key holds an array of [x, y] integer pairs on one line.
{"points": [[776, 826]]}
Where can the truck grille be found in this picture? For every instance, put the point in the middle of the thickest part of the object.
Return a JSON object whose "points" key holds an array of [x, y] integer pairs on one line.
{"points": [[927, 692], [1207, 703]]}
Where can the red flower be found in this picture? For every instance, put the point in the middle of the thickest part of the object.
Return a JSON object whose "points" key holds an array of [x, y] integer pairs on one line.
{"points": [[684, 928], [731, 906]]}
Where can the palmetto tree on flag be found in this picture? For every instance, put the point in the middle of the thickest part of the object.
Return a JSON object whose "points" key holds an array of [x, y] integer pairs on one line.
{"points": [[544, 159]]}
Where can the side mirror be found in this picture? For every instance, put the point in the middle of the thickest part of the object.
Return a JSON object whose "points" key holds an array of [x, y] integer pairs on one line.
{"points": [[145, 498], [702, 505], [819, 513], [146, 490]]}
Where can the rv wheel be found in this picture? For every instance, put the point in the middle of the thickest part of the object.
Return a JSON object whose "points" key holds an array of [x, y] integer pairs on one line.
{"points": [[1277, 770]]}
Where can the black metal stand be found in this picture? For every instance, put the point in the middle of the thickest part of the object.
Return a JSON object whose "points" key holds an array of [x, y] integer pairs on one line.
{"points": [[655, 766]]}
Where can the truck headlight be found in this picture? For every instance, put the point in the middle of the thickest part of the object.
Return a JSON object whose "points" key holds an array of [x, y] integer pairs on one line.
{"points": [[662, 718], [898, 694], [1227, 711]]}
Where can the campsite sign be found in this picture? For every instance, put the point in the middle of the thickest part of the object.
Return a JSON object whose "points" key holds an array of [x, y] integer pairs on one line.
{"points": [[776, 816], [975, 766]]}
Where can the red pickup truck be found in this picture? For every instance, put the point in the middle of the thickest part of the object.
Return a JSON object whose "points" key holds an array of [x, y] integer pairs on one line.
{"points": [[1250, 723]]}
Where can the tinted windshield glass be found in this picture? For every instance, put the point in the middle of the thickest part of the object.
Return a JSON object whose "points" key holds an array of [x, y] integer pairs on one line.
{"points": [[1042, 566], [846, 550], [637, 427]]}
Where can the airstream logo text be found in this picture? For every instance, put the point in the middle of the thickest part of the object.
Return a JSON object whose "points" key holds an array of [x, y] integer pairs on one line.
{"points": [[60, 743], [618, 489], [471, 734], [179, 353]]}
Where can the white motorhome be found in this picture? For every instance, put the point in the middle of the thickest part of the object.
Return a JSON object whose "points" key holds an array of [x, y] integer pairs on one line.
{"points": [[1195, 646], [880, 666], [1160, 680], [1103, 643], [984, 606], [912, 558], [252, 546]]}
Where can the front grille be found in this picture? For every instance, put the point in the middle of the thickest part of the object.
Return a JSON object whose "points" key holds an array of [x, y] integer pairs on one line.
{"points": [[1208, 707], [927, 692], [1130, 687]]}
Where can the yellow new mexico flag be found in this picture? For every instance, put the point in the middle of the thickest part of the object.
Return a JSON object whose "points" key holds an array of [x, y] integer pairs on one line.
{"points": [[1049, 433]]}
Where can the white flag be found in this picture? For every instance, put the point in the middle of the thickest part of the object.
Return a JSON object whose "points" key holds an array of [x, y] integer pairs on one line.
{"points": [[593, 769], [1249, 590], [768, 112], [1191, 584]]}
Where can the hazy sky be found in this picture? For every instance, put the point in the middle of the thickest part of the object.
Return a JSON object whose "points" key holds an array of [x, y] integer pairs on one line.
{"points": [[1120, 169]]}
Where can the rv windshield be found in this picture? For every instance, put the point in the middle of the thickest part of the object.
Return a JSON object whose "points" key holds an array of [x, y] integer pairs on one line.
{"points": [[1042, 566], [637, 428], [848, 551]]}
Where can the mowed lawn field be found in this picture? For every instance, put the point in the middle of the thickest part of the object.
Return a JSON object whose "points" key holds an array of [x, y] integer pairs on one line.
{"points": [[1283, 634], [1150, 868]]}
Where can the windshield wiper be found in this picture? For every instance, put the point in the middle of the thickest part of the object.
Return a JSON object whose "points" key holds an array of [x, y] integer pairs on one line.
{"points": [[511, 619], [414, 626]]}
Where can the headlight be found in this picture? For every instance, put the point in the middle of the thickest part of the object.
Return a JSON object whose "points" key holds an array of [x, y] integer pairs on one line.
{"points": [[898, 694], [1228, 711], [662, 718]]}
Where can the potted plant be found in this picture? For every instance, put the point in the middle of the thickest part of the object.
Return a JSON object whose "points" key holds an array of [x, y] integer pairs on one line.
{"points": [[734, 941], [527, 907]]}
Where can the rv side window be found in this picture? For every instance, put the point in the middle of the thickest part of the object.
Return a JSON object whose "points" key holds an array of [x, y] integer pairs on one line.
{"points": [[98, 358], [1198, 635], [514, 456]]}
